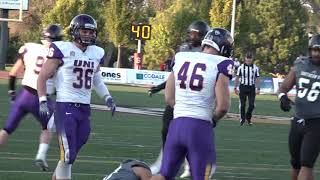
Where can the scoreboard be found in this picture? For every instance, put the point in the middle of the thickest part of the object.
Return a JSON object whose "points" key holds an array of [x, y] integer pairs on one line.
{"points": [[140, 32]]}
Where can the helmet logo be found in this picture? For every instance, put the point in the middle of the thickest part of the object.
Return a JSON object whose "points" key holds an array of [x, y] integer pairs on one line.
{"points": [[217, 33]]}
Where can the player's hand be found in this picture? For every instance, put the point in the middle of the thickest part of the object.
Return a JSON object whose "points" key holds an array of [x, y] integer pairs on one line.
{"points": [[236, 91], [44, 110], [110, 104], [12, 95], [285, 103], [154, 90]]}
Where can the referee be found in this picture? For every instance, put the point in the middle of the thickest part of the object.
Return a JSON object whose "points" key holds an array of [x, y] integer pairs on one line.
{"points": [[248, 74]]}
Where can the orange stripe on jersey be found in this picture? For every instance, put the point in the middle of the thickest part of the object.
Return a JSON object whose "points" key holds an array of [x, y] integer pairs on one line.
{"points": [[208, 171], [62, 153]]}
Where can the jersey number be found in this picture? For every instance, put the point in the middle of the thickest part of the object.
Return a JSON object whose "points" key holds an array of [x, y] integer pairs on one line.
{"points": [[182, 76], [83, 77], [39, 63], [303, 91]]}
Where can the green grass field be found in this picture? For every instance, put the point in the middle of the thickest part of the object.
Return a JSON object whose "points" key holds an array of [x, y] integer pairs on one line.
{"points": [[257, 152]]}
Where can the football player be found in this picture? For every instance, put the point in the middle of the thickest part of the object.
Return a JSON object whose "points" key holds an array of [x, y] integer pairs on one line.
{"points": [[131, 170], [31, 58], [196, 32], [304, 146], [78, 71], [198, 90]]}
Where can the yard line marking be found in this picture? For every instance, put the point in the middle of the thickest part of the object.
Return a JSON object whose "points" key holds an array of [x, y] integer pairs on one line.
{"points": [[36, 172]]}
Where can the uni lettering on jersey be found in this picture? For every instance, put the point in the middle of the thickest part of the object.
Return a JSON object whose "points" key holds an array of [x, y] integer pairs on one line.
{"points": [[83, 63]]}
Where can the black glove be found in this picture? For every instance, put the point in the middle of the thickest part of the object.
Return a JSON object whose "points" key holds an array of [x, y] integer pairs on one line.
{"points": [[12, 95], [44, 110], [285, 103]]}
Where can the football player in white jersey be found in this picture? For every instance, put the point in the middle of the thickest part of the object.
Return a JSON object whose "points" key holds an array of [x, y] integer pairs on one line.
{"points": [[31, 58], [78, 70], [198, 90]]}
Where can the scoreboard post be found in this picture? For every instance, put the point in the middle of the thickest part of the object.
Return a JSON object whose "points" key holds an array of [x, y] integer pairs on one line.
{"points": [[139, 32]]}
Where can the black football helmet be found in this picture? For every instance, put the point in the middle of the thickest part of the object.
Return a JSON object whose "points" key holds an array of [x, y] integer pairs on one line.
{"points": [[314, 42], [221, 40], [52, 33], [83, 21], [201, 28]]}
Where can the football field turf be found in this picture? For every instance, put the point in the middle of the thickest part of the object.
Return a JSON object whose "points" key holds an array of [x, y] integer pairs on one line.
{"points": [[257, 152]]}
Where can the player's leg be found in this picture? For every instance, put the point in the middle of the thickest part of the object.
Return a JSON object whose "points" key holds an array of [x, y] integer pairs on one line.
{"points": [[16, 114], [45, 136], [295, 142], [251, 100], [66, 115], [174, 150], [166, 119], [84, 128], [310, 149], [242, 105], [201, 150]]}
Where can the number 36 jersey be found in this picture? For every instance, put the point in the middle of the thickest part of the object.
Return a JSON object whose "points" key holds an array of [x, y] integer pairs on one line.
{"points": [[74, 77], [195, 76], [308, 89]]}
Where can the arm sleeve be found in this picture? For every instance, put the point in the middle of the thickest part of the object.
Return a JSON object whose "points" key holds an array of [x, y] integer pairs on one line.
{"points": [[257, 72], [226, 67], [99, 86]]}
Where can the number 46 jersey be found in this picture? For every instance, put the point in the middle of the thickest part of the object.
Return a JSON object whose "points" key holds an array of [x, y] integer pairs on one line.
{"points": [[195, 76], [74, 77]]}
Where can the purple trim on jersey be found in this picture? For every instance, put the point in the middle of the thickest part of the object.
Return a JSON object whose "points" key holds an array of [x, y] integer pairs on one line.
{"points": [[56, 54], [102, 60], [223, 67]]}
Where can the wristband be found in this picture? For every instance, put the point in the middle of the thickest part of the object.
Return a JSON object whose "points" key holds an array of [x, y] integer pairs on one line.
{"points": [[42, 99]]}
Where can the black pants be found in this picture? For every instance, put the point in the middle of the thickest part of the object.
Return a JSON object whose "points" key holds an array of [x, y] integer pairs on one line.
{"points": [[166, 119], [247, 92], [304, 143]]}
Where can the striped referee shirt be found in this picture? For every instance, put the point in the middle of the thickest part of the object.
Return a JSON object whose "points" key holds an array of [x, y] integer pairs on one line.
{"points": [[248, 74]]}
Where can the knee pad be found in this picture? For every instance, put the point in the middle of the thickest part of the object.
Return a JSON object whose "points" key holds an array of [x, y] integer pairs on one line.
{"points": [[63, 170]]}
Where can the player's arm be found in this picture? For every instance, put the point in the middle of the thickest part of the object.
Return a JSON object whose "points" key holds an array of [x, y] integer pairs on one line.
{"points": [[158, 88], [48, 70], [257, 81], [222, 97], [285, 87], [17, 67], [102, 90], [142, 173], [170, 90], [236, 81]]}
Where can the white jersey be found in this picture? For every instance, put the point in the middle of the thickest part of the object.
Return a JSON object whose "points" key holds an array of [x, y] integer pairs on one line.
{"points": [[34, 56], [195, 75], [74, 78]]}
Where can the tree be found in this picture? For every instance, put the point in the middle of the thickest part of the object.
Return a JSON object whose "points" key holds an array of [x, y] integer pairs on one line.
{"points": [[168, 32], [65, 10], [283, 36], [220, 13]]}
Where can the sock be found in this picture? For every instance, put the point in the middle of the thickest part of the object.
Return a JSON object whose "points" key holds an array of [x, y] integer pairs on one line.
{"points": [[42, 151]]}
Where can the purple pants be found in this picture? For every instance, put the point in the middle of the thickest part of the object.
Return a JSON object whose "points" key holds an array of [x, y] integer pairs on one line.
{"points": [[73, 128], [26, 102], [191, 138]]}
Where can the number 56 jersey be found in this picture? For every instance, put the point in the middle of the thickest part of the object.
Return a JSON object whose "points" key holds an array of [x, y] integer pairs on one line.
{"points": [[74, 77], [195, 76]]}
